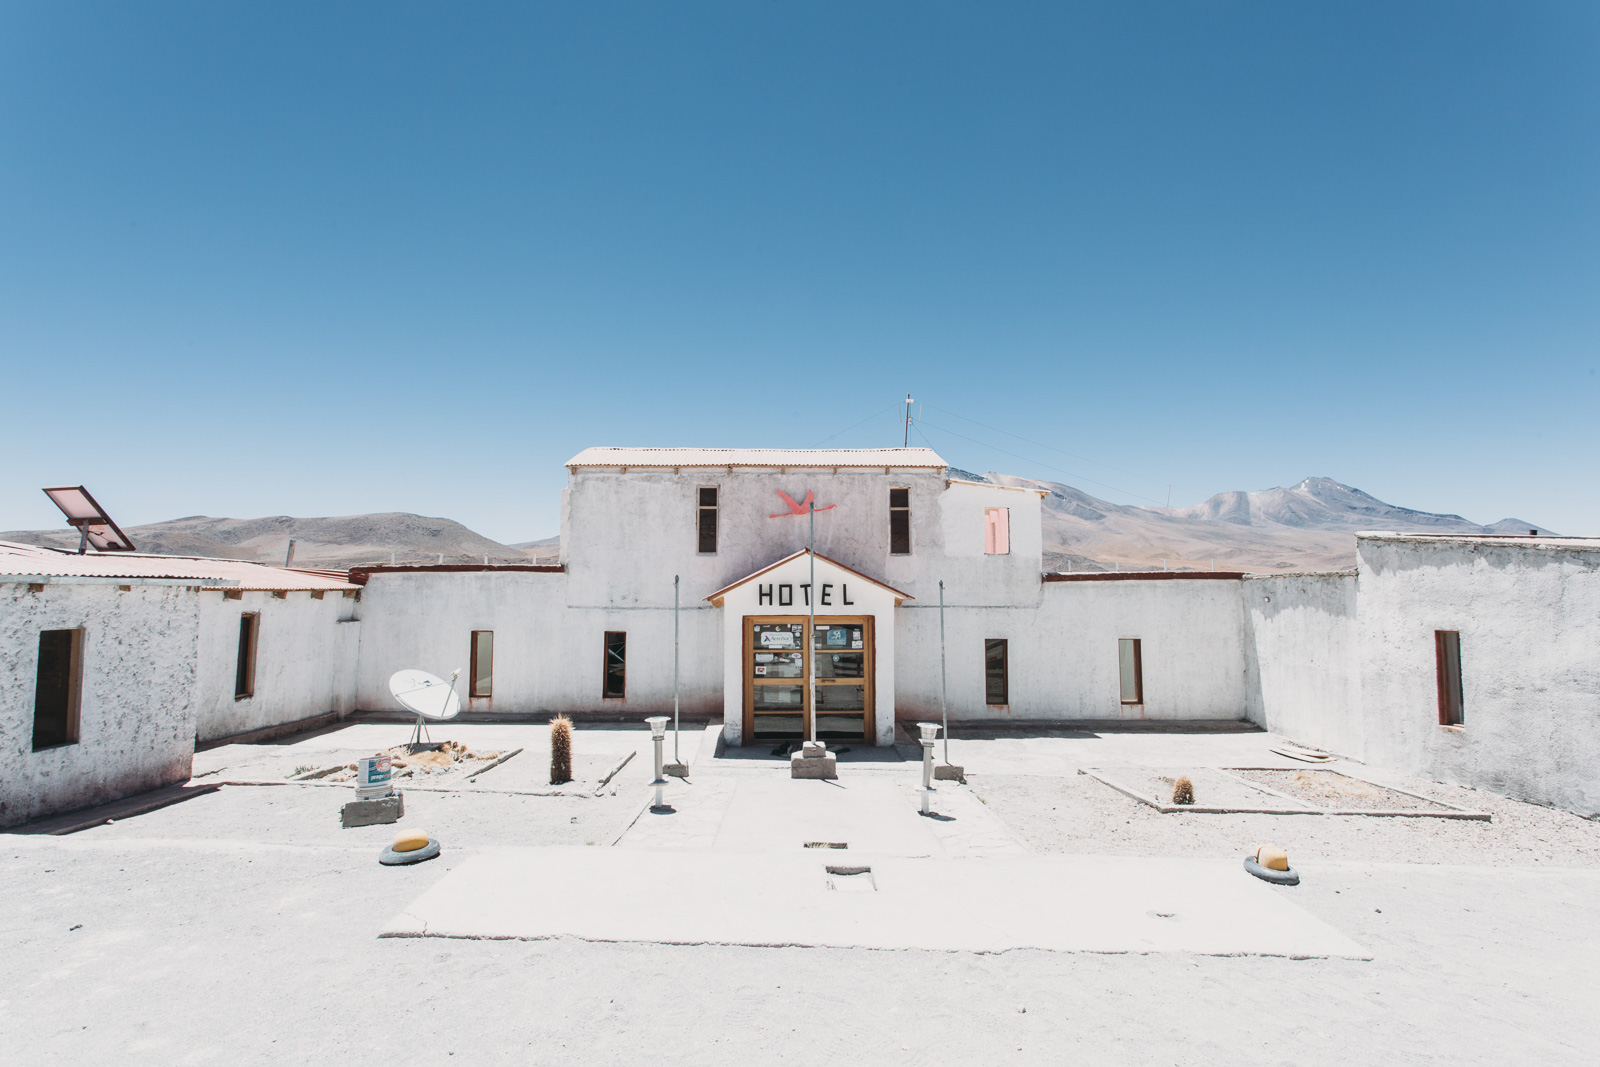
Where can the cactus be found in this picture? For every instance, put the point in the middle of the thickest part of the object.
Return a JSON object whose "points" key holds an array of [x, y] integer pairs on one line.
{"points": [[1183, 790], [560, 750]]}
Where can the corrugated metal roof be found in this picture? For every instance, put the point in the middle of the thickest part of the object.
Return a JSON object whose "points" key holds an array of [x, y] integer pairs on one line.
{"points": [[31, 560], [758, 457]]}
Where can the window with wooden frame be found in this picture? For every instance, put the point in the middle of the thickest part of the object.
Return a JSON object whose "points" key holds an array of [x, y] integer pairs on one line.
{"points": [[482, 684], [1447, 667], [900, 522], [996, 531], [996, 672], [615, 683], [1130, 670], [244, 671], [57, 688], [706, 520]]}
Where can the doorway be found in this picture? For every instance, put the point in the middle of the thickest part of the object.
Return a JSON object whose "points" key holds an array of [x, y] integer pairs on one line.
{"points": [[776, 661]]}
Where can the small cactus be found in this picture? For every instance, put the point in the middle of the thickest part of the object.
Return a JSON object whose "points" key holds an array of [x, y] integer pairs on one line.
{"points": [[560, 750], [1183, 790]]}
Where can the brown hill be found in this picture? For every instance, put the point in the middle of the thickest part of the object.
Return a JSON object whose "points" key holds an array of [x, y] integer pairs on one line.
{"points": [[342, 541]]}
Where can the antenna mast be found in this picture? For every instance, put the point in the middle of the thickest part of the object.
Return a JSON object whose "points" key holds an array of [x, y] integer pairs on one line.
{"points": [[906, 441]]}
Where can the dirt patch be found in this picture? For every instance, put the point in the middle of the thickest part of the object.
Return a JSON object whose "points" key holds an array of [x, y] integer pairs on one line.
{"points": [[1330, 789], [449, 758]]}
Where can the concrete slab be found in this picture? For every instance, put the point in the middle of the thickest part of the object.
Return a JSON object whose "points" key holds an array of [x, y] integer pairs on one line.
{"points": [[1055, 903]]}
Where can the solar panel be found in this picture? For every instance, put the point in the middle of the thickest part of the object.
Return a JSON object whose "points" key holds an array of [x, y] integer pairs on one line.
{"points": [[90, 518]]}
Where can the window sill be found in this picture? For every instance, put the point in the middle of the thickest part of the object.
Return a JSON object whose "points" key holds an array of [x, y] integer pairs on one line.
{"points": [[1453, 729], [58, 744], [243, 696]]}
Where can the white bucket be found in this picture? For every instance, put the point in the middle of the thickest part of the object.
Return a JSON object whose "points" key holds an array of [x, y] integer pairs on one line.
{"points": [[372, 777]]}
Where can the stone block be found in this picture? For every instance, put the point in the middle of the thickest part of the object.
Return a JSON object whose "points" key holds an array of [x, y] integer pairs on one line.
{"points": [[949, 772], [814, 750], [815, 767], [372, 812]]}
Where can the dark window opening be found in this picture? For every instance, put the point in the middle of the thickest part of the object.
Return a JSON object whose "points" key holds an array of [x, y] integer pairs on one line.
{"points": [[1130, 664], [996, 683], [244, 675], [1447, 659], [482, 663], [55, 694], [707, 524], [899, 522], [616, 676]]}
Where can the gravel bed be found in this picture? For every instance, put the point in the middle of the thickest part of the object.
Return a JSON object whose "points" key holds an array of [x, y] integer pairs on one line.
{"points": [[1076, 814], [1330, 789]]}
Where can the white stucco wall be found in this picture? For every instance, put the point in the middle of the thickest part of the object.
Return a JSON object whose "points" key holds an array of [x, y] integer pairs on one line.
{"points": [[305, 659], [870, 599], [1063, 651], [1302, 676], [1529, 618], [138, 700], [548, 657]]}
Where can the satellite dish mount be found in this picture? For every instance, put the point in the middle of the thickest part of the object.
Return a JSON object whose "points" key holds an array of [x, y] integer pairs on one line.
{"points": [[426, 695]]}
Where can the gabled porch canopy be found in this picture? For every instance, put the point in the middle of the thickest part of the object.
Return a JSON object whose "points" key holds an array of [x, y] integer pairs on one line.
{"points": [[720, 595]]}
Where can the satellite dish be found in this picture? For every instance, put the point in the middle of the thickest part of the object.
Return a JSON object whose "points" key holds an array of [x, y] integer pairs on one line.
{"points": [[429, 696]]}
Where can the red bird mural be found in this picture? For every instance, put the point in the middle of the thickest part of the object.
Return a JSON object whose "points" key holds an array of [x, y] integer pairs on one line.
{"points": [[798, 509]]}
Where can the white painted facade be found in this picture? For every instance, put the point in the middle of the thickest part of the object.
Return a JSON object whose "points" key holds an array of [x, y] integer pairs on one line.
{"points": [[1338, 661], [307, 649], [138, 700]]}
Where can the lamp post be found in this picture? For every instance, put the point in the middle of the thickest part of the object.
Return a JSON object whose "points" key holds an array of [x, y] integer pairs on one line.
{"points": [[658, 734], [930, 731]]}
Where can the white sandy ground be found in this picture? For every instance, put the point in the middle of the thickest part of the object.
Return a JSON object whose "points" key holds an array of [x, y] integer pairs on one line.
{"points": [[241, 927]]}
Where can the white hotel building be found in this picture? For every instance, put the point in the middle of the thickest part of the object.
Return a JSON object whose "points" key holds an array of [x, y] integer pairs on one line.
{"points": [[1466, 659]]}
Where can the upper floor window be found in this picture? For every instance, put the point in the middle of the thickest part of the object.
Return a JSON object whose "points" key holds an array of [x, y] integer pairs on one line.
{"points": [[706, 524], [997, 531], [900, 522]]}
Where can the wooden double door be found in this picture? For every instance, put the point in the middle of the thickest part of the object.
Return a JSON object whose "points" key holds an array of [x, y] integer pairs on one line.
{"points": [[777, 661]]}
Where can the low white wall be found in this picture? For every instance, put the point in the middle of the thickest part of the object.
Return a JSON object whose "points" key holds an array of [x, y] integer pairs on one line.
{"points": [[1529, 619], [1063, 651], [548, 657], [137, 704], [1302, 679], [304, 653]]}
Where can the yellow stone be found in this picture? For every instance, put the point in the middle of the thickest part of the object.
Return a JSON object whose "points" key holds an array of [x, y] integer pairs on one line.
{"points": [[410, 840], [1272, 858]]}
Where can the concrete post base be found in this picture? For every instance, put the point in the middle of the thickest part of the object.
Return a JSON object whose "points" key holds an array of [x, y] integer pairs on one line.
{"points": [[813, 761], [372, 812], [949, 772]]}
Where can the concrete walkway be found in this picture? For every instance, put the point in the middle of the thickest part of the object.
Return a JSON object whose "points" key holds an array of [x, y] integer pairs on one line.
{"points": [[848, 900]]}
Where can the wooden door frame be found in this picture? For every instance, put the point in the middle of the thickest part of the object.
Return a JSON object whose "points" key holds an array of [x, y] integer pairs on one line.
{"points": [[869, 718]]}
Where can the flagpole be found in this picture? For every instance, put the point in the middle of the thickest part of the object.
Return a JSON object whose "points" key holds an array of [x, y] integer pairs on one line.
{"points": [[811, 636], [944, 679]]}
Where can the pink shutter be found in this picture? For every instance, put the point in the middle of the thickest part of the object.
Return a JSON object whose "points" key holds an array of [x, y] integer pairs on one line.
{"points": [[988, 531], [1002, 531]]}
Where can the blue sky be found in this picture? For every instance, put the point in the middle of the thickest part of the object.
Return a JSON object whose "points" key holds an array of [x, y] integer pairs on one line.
{"points": [[328, 259]]}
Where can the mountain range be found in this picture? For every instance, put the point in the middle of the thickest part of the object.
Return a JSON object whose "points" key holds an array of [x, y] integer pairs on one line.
{"points": [[1308, 526]]}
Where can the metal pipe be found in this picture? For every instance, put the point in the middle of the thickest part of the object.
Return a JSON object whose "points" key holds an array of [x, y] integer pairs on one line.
{"points": [[811, 634], [944, 679], [675, 758]]}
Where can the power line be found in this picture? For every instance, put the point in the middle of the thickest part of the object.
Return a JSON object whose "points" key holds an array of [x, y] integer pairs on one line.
{"points": [[863, 422]]}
